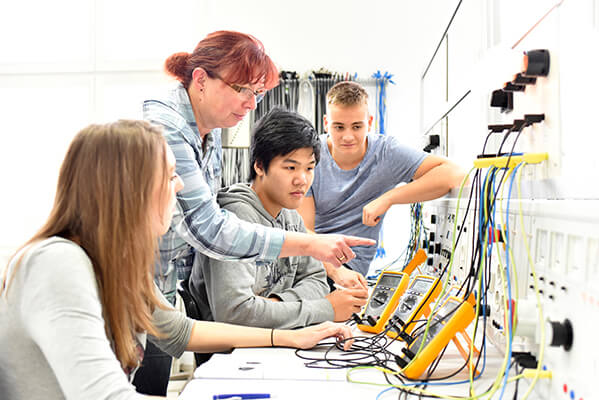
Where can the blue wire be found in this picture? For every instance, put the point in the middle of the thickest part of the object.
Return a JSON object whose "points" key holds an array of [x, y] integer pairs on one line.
{"points": [[510, 306], [381, 93], [378, 396], [484, 303], [490, 246], [481, 214], [441, 383], [380, 250], [483, 292]]}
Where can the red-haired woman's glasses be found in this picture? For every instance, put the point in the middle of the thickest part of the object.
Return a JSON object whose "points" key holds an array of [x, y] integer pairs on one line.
{"points": [[245, 91]]}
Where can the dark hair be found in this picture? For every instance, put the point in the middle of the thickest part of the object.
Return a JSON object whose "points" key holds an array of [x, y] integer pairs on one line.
{"points": [[281, 132], [236, 57]]}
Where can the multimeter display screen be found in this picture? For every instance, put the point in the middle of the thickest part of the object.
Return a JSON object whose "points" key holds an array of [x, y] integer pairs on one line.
{"points": [[421, 285], [390, 280], [437, 324]]}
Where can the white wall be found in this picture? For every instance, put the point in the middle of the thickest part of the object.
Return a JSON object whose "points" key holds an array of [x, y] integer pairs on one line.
{"points": [[68, 63]]}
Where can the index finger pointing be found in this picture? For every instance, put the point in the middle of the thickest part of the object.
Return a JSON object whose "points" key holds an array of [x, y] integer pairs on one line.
{"points": [[358, 241]]}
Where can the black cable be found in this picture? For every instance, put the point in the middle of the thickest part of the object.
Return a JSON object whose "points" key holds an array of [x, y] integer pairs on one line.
{"points": [[517, 382], [374, 351], [490, 201], [484, 288], [486, 140]]}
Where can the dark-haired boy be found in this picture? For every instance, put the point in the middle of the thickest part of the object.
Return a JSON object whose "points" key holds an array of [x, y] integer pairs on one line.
{"points": [[290, 292]]}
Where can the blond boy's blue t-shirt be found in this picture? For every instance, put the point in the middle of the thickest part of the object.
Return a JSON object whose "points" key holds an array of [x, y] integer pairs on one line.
{"points": [[340, 195]]}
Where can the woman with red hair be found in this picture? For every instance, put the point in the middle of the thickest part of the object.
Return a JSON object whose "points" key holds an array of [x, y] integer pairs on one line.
{"points": [[221, 81]]}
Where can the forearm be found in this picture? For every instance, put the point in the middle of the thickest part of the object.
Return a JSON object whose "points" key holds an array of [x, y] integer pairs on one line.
{"points": [[227, 237], [331, 270], [307, 289], [295, 244], [333, 249], [432, 185], [209, 337], [287, 313]]}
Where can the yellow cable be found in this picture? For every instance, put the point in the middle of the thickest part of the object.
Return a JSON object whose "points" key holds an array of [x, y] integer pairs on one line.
{"points": [[536, 285], [447, 275], [503, 282], [533, 373], [498, 377], [510, 254], [479, 291], [404, 387]]}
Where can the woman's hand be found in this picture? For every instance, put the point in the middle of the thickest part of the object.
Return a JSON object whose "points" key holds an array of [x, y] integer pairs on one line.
{"points": [[335, 249], [308, 337]]}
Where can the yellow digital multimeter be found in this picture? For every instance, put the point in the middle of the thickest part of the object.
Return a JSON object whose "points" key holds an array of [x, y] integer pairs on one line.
{"points": [[461, 339], [415, 303], [418, 259], [383, 300], [454, 291], [454, 316]]}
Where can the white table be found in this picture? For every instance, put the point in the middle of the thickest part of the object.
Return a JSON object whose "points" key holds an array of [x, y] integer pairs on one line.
{"points": [[281, 373]]}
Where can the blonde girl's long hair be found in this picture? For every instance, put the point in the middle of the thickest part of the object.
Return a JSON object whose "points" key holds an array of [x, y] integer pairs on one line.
{"points": [[103, 202]]}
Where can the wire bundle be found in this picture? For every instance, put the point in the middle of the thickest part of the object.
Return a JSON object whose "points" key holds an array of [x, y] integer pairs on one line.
{"points": [[382, 80], [306, 96], [236, 166], [491, 228], [286, 95]]}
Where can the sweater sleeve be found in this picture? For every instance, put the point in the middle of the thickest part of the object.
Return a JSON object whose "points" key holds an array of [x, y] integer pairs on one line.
{"points": [[310, 282], [199, 221], [231, 297], [174, 326], [310, 277], [62, 313]]}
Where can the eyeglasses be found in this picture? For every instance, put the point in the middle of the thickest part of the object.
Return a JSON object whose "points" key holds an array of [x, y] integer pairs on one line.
{"points": [[244, 91]]}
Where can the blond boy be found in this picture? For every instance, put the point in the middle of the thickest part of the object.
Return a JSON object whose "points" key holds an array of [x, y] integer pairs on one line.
{"points": [[357, 179]]}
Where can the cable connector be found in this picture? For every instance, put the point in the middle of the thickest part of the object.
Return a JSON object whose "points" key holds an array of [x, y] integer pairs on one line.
{"points": [[525, 359], [484, 310], [371, 320], [499, 127], [356, 318], [512, 87], [531, 119], [532, 373], [518, 124], [395, 321], [408, 353], [503, 100], [400, 361], [434, 142], [406, 338], [520, 79], [398, 320]]}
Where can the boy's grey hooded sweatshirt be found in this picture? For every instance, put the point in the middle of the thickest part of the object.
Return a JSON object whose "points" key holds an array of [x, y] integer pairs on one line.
{"points": [[236, 292]]}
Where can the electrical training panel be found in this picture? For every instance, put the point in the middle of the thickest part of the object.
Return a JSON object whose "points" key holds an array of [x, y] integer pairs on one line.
{"points": [[516, 104]]}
